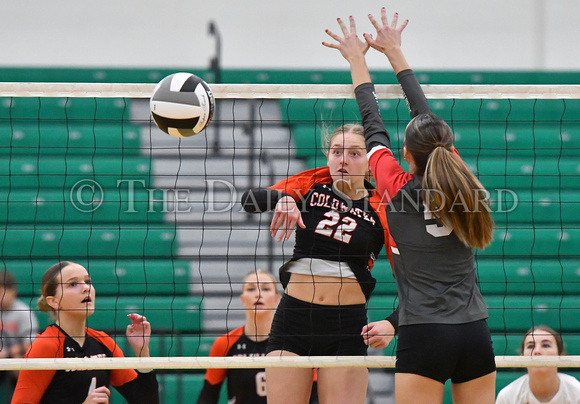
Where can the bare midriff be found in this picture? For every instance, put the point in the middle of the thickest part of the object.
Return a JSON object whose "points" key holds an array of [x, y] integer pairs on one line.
{"points": [[328, 290]]}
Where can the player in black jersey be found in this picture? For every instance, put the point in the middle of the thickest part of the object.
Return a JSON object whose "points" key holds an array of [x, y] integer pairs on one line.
{"points": [[67, 293], [341, 231], [245, 386], [260, 298], [437, 214]]}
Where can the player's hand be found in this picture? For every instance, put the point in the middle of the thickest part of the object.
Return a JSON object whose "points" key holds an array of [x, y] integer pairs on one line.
{"points": [[350, 46], [139, 334], [286, 217], [388, 35], [99, 395], [378, 334]]}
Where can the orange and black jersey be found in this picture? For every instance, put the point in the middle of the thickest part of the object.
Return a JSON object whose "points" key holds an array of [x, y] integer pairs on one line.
{"points": [[337, 228], [72, 386], [245, 386]]}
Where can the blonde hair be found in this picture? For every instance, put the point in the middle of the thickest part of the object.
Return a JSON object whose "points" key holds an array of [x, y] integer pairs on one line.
{"points": [[450, 190], [353, 128], [342, 129], [256, 272]]}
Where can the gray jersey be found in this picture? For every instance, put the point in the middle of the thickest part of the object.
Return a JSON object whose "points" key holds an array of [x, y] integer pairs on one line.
{"points": [[17, 325], [434, 271]]}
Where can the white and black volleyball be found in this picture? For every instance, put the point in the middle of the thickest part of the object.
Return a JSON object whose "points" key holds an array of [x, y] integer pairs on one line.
{"points": [[182, 105]]}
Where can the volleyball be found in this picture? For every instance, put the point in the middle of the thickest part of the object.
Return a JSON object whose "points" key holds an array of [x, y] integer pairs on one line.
{"points": [[182, 104]]}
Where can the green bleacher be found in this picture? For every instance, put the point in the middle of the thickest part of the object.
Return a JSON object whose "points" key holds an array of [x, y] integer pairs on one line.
{"points": [[24, 109], [68, 138], [32, 172], [278, 76], [111, 277], [75, 186], [529, 275]]}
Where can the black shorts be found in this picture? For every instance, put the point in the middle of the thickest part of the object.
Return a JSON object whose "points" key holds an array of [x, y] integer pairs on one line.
{"points": [[460, 352], [308, 329]]}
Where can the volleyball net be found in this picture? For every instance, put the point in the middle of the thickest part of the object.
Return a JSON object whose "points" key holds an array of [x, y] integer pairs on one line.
{"points": [[87, 177]]}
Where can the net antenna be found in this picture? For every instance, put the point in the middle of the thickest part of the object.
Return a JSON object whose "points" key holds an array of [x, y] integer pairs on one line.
{"points": [[215, 67]]}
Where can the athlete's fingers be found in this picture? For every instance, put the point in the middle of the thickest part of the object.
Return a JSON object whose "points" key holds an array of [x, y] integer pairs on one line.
{"points": [[394, 21], [136, 318], [384, 16], [277, 221], [403, 25], [366, 329], [333, 35], [374, 21], [342, 26], [330, 45], [352, 25]]}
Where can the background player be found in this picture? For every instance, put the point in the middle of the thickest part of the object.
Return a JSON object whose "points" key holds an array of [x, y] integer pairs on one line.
{"points": [[259, 297], [18, 328], [541, 385], [67, 292]]}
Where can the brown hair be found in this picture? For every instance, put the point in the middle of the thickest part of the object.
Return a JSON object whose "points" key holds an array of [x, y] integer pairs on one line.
{"points": [[451, 192], [7, 279], [50, 282], [557, 337]]}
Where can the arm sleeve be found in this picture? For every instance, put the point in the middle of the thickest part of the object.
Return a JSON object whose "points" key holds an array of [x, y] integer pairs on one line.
{"points": [[374, 128], [210, 393], [214, 378], [260, 200], [142, 390], [32, 384], [296, 186], [414, 95], [393, 318]]}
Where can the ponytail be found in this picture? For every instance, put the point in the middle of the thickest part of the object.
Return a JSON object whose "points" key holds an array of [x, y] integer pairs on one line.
{"points": [[457, 198]]}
